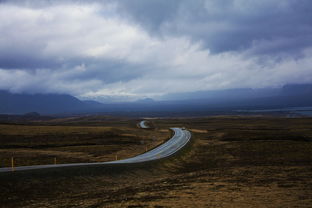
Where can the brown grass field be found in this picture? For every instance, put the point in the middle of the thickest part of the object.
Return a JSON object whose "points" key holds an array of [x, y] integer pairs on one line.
{"points": [[41, 144], [232, 161]]}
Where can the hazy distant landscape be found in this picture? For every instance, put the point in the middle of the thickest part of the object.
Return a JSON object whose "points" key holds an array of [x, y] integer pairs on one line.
{"points": [[206, 102]]}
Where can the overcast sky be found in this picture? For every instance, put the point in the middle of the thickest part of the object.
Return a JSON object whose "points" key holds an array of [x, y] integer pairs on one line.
{"points": [[130, 49]]}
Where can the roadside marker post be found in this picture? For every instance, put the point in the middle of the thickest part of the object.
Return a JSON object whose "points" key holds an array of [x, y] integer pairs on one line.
{"points": [[12, 163], [54, 160], [116, 157], [145, 148]]}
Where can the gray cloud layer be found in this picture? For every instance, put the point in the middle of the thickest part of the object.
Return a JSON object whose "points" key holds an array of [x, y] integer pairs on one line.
{"points": [[136, 48], [229, 25]]}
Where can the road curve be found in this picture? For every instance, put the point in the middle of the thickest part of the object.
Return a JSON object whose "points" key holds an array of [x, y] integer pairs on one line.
{"points": [[180, 138], [143, 125]]}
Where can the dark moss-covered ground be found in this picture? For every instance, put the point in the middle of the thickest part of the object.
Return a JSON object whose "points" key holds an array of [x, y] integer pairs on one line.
{"points": [[231, 162]]}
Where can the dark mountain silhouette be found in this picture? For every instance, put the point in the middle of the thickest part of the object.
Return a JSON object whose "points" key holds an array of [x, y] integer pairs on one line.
{"points": [[93, 104], [295, 95], [232, 99], [11, 103]]}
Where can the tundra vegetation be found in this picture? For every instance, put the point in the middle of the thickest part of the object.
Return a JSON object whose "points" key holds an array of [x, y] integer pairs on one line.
{"points": [[232, 161]]}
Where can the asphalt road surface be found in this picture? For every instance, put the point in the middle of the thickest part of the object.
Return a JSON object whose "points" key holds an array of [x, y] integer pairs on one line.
{"points": [[143, 125], [180, 138]]}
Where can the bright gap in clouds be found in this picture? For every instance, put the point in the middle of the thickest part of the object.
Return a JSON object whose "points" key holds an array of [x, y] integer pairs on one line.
{"points": [[91, 51]]}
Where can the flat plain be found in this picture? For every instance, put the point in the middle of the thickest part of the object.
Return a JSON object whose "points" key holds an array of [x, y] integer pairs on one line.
{"points": [[232, 161]]}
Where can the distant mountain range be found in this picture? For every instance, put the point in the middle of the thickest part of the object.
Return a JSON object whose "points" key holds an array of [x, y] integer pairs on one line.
{"points": [[42, 103], [295, 95], [231, 99]]}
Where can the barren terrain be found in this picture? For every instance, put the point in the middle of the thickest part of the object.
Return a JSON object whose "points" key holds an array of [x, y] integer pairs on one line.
{"points": [[231, 162]]}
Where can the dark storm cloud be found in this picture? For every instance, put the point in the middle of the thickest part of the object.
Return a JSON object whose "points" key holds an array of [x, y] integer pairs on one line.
{"points": [[108, 71], [17, 58], [152, 14], [226, 25], [222, 25], [133, 48]]}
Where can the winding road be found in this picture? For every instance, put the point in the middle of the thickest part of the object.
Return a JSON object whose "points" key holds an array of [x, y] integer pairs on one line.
{"points": [[143, 125], [180, 138]]}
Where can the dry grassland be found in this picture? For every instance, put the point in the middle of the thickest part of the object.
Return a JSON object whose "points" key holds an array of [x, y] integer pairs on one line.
{"points": [[238, 162]]}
